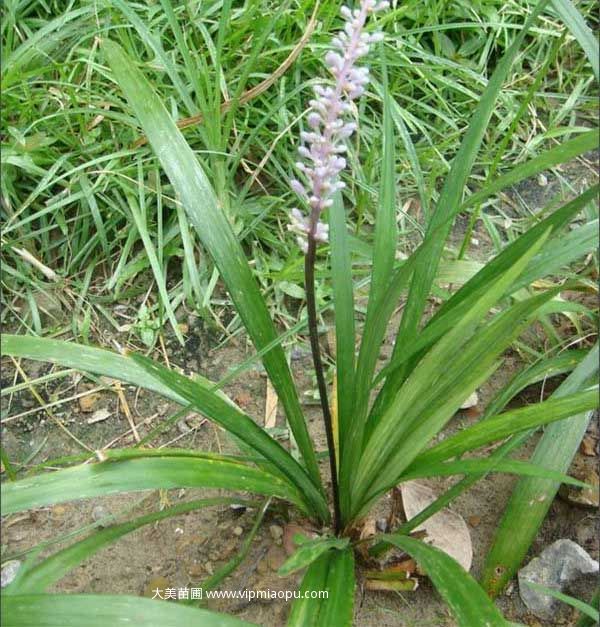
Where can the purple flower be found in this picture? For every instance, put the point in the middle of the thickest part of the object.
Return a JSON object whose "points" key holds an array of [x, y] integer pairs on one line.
{"points": [[323, 145]]}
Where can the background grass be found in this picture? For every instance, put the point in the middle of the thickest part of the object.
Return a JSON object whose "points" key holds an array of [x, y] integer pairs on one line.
{"points": [[92, 230]]}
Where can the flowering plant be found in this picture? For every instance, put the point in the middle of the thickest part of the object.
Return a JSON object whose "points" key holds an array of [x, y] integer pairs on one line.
{"points": [[386, 422]]}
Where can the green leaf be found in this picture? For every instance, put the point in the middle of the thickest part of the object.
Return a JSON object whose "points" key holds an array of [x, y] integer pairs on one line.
{"points": [[143, 473], [216, 234], [241, 426], [531, 498], [100, 610], [561, 251], [457, 365], [552, 256], [543, 369], [554, 156], [198, 393], [89, 359], [53, 568], [476, 466], [305, 611], [585, 620], [343, 298], [309, 551], [509, 423], [466, 599], [575, 22], [333, 574]]}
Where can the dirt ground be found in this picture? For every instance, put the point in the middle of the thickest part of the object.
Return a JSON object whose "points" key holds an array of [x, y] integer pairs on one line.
{"points": [[184, 550]]}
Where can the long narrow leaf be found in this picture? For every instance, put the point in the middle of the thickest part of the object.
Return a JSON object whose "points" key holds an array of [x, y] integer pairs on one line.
{"points": [[332, 574], [113, 477], [532, 498], [466, 599], [101, 610], [575, 22], [389, 436], [503, 425], [215, 232], [242, 426]]}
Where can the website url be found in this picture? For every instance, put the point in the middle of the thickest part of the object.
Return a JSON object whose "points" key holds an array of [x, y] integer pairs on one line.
{"points": [[250, 595]]}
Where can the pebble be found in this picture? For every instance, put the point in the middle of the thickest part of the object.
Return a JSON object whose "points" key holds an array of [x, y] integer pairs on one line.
{"points": [[275, 557], [583, 497], [100, 512], [381, 525], [276, 532], [156, 583], [9, 572], [238, 531], [558, 565]]}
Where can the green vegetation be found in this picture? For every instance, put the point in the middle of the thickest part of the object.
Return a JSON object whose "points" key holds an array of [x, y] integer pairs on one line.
{"points": [[106, 200]]}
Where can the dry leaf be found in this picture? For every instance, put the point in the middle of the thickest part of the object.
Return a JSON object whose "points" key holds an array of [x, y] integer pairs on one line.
{"points": [[98, 416], [88, 402], [446, 530], [408, 585], [588, 446], [271, 406], [471, 401]]}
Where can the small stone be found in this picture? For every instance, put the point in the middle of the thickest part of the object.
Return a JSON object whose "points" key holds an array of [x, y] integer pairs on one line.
{"points": [[208, 567], [100, 513], [275, 557], [9, 572], [276, 532], [381, 525], [154, 584], [558, 565], [474, 520], [98, 416], [583, 497], [195, 570], [182, 426], [238, 531]]}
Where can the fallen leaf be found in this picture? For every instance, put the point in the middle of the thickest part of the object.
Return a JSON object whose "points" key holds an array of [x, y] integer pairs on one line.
{"points": [[471, 401], [242, 399], [271, 406], [369, 528], [583, 497], [445, 530], [588, 446], [396, 572], [290, 531], [88, 402], [98, 416]]}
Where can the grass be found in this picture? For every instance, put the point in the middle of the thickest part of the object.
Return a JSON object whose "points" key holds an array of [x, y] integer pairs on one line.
{"points": [[72, 178], [121, 225]]}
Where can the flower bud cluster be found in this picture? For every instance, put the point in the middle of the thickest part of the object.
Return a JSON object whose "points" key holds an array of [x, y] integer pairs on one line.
{"points": [[323, 146]]}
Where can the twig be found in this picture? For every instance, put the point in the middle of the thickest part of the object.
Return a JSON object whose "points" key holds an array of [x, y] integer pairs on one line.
{"points": [[126, 410], [45, 407]]}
